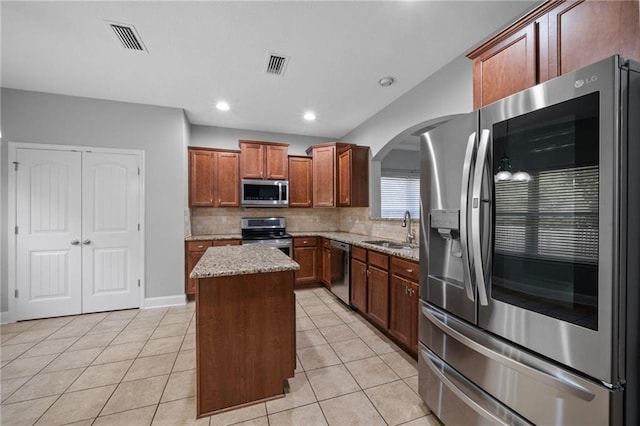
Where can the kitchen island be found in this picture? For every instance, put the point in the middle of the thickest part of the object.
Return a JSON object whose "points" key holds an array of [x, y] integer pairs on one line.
{"points": [[245, 326]]}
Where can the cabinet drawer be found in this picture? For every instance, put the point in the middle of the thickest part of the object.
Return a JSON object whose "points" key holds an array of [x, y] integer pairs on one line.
{"points": [[378, 259], [405, 268], [305, 242], [220, 243], [359, 253], [199, 245]]}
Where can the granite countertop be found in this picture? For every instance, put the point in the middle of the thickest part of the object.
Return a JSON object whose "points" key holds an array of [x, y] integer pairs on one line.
{"points": [[242, 260], [358, 240], [345, 237], [213, 237]]}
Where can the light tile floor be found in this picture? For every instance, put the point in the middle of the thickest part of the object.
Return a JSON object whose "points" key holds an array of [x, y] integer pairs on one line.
{"points": [[137, 367]]}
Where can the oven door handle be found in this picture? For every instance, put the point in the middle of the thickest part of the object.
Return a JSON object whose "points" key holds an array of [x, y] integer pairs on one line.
{"points": [[494, 350]]}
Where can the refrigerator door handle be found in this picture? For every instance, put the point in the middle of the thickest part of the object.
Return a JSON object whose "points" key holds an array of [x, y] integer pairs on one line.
{"points": [[476, 203], [492, 350], [464, 202], [488, 409]]}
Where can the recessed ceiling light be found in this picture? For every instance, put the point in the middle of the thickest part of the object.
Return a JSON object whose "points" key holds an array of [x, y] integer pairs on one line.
{"points": [[309, 116], [222, 106], [386, 81]]}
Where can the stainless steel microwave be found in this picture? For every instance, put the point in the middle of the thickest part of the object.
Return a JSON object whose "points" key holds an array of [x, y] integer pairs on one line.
{"points": [[265, 193]]}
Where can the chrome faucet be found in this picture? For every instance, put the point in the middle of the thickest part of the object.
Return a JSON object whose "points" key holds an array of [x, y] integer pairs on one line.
{"points": [[410, 236]]}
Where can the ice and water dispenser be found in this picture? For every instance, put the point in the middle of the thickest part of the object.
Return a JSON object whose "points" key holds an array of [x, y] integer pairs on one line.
{"points": [[445, 250]]}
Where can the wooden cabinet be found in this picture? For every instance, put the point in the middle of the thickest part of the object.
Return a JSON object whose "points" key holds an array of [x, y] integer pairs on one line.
{"points": [[326, 262], [378, 288], [340, 175], [359, 278], [324, 176], [213, 178], [300, 181], [264, 160], [353, 177], [404, 295], [584, 32], [553, 39], [506, 68], [194, 250], [305, 252]]}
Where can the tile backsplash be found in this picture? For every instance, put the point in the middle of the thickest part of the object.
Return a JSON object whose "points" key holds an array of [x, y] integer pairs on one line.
{"points": [[214, 221]]}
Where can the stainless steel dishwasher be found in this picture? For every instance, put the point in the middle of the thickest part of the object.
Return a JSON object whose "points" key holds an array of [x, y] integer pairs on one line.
{"points": [[340, 277]]}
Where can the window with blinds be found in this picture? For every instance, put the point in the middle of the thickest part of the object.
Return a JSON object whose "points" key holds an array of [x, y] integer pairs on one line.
{"points": [[555, 216], [399, 193]]}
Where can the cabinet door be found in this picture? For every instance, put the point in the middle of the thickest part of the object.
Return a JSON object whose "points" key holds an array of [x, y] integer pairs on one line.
{"points": [[308, 260], [506, 68], [584, 32], [326, 267], [344, 178], [227, 182], [251, 160], [359, 285], [300, 184], [201, 178], [378, 296], [324, 176], [401, 313], [276, 162]]}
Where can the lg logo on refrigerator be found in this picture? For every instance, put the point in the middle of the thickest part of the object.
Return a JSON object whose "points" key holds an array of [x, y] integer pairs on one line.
{"points": [[579, 83]]}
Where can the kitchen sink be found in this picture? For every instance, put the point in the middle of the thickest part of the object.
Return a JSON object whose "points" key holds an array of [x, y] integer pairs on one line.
{"points": [[391, 244]]}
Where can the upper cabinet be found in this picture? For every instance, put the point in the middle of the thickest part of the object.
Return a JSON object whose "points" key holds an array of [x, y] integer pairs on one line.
{"points": [[213, 178], [555, 38], [263, 160], [340, 175], [300, 181]]}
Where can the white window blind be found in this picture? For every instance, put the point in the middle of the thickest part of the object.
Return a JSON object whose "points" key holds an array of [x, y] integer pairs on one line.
{"points": [[553, 216], [399, 193]]}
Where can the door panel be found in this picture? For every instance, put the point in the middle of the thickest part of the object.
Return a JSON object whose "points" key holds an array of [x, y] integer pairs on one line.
{"points": [[110, 244], [48, 271], [446, 281]]}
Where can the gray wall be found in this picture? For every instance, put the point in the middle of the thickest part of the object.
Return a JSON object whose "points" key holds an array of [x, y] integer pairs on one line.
{"points": [[398, 159], [162, 133], [226, 138], [448, 91]]}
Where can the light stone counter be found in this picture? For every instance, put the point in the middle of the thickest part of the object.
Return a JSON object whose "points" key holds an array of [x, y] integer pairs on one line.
{"points": [[213, 237], [358, 240], [242, 260]]}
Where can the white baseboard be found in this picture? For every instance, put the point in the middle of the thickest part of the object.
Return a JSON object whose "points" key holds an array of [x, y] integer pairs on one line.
{"points": [[4, 317], [164, 301]]}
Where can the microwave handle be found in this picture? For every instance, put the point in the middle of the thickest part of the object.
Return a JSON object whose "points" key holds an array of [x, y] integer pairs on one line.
{"points": [[476, 204]]}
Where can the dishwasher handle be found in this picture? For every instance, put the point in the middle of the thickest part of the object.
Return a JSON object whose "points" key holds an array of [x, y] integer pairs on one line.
{"points": [[340, 245]]}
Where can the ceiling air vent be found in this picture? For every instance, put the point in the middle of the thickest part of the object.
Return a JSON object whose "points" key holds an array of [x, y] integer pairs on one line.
{"points": [[127, 35], [276, 63]]}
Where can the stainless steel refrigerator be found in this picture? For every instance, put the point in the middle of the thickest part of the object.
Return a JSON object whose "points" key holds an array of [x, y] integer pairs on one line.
{"points": [[530, 232]]}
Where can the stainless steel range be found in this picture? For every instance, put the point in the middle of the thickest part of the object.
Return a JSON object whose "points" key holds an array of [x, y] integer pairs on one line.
{"points": [[270, 231]]}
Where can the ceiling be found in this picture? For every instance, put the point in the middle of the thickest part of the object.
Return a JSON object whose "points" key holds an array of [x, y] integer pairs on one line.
{"points": [[199, 53]]}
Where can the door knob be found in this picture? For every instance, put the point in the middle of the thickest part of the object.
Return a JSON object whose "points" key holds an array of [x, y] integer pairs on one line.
{"points": [[75, 242], [86, 242]]}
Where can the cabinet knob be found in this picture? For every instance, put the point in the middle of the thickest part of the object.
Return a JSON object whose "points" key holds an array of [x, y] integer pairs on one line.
{"points": [[201, 246], [304, 241], [86, 242], [409, 271], [75, 242], [368, 273]]}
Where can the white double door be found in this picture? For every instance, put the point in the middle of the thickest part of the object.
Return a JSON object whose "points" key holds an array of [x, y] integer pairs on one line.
{"points": [[78, 243]]}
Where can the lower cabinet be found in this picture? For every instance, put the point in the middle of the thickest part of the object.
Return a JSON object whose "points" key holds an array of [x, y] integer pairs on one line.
{"points": [[326, 262], [385, 290], [404, 295], [359, 278], [194, 250], [305, 252]]}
